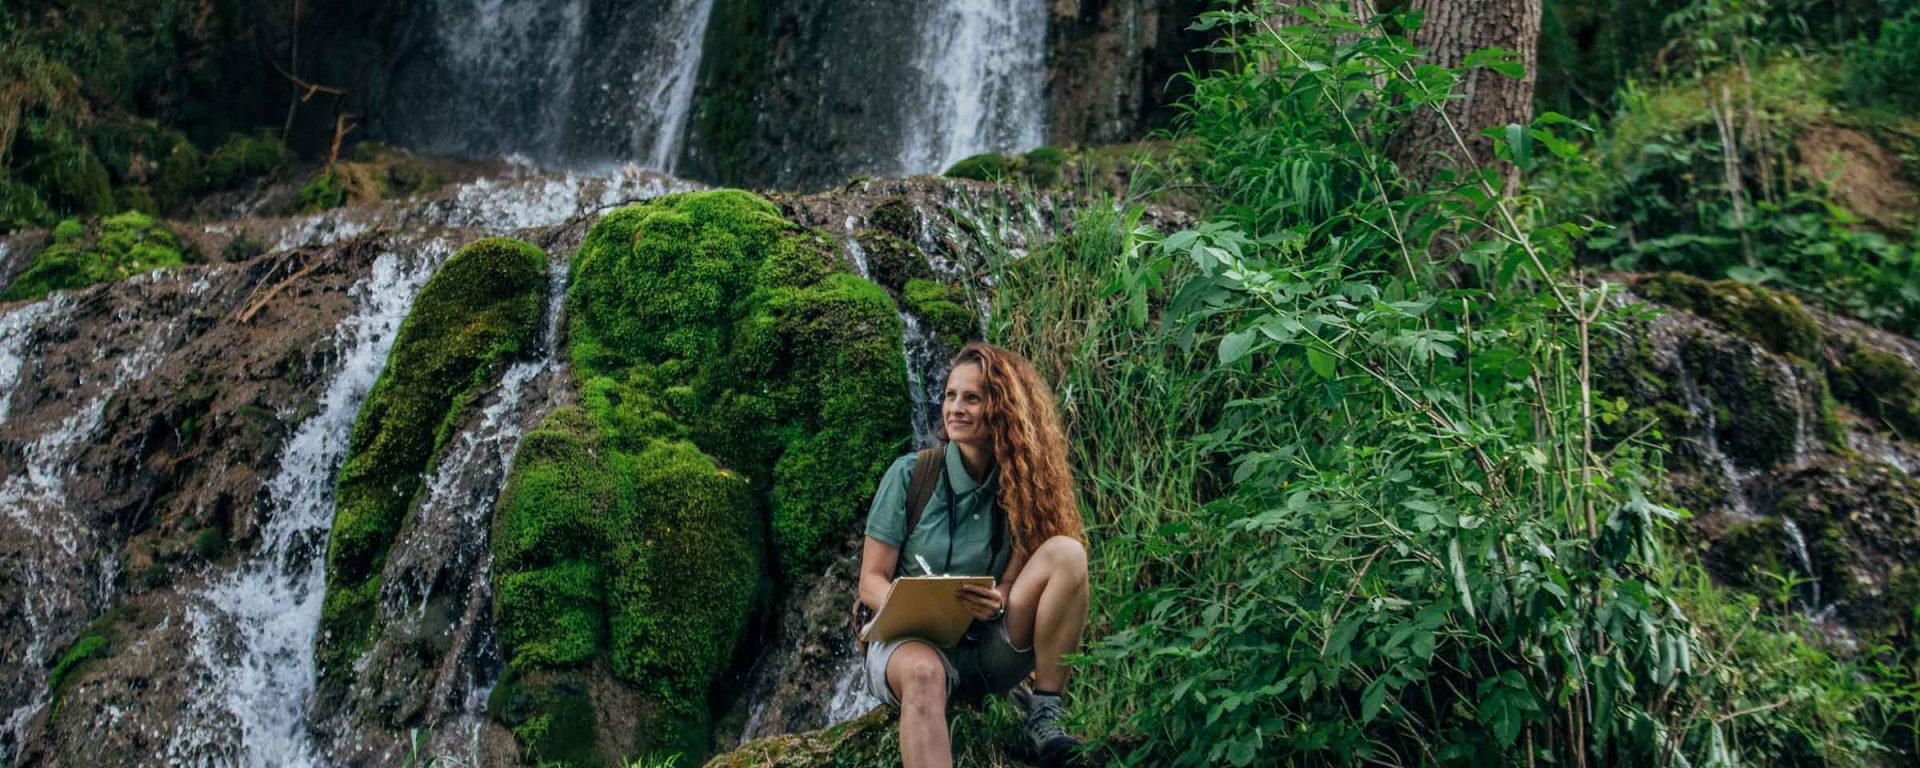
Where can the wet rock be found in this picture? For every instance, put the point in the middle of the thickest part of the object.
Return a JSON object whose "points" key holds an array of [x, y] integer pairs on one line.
{"points": [[1787, 437], [985, 735]]}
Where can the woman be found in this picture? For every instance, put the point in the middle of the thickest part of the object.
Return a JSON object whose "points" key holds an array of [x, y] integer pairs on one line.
{"points": [[1005, 508]]}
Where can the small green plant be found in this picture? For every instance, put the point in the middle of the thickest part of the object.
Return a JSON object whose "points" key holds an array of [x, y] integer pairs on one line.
{"points": [[324, 192]]}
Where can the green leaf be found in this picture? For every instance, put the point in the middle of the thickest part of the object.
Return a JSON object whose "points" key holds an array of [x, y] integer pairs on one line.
{"points": [[1499, 60], [1373, 698], [1321, 362], [1236, 345], [1459, 566]]}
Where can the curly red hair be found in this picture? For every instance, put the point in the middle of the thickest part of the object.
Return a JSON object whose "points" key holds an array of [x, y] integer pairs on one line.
{"points": [[1029, 445]]}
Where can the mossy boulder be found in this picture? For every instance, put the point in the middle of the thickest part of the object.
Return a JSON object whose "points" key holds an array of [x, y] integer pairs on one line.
{"points": [[985, 734], [1778, 321], [1882, 385], [749, 332], [122, 246], [737, 385], [1043, 168], [479, 311], [943, 306]]}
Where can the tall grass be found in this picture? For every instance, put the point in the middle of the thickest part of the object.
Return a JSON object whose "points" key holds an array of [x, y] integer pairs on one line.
{"points": [[1346, 494]]}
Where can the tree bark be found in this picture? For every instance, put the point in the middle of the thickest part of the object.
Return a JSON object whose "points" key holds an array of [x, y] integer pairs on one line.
{"points": [[1451, 30]]}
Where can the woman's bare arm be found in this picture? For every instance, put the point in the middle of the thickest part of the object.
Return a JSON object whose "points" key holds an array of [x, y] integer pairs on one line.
{"points": [[1012, 574], [877, 561]]}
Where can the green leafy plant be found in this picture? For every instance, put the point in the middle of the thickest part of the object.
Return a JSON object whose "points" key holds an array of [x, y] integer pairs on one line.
{"points": [[1353, 497]]}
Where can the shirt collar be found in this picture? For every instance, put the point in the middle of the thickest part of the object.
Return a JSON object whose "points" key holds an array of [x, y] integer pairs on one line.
{"points": [[957, 472]]}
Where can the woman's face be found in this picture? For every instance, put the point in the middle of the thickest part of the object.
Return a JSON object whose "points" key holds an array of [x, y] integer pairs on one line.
{"points": [[963, 410]]}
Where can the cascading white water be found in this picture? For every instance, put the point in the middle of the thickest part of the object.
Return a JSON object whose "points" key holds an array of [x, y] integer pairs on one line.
{"points": [[34, 499], [464, 490], [566, 83], [16, 329], [667, 101], [257, 630], [982, 71], [511, 61]]}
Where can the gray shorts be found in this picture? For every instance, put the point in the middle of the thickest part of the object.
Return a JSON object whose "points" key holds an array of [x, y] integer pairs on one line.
{"points": [[992, 665]]}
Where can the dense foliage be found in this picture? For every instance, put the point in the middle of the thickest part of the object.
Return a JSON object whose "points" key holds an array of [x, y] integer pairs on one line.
{"points": [[1354, 501]]}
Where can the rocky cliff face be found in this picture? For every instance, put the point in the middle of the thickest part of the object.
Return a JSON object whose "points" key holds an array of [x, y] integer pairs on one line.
{"points": [[1791, 438], [171, 448]]}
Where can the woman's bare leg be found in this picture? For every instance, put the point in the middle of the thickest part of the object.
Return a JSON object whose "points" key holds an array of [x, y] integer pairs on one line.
{"points": [[1048, 608], [919, 681]]}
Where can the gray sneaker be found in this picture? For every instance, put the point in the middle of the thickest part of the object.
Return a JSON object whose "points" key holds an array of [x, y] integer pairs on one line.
{"points": [[1051, 743]]}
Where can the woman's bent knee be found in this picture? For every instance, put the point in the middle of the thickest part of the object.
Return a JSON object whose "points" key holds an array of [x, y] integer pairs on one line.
{"points": [[918, 674], [1066, 552]]}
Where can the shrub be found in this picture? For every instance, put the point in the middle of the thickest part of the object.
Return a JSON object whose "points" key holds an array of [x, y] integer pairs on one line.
{"points": [[322, 193], [247, 158]]}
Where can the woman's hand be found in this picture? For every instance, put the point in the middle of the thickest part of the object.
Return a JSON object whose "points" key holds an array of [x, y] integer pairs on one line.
{"points": [[983, 602]]}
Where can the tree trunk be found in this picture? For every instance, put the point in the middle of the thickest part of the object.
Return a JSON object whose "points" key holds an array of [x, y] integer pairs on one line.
{"points": [[1452, 30]]}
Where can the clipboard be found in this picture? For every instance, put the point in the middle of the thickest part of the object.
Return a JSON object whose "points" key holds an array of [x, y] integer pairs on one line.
{"points": [[923, 607]]}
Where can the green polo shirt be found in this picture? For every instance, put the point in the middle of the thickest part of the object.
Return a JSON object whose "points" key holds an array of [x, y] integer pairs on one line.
{"points": [[972, 523]]}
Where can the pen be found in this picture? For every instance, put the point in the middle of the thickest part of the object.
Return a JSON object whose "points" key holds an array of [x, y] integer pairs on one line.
{"points": [[924, 568]]}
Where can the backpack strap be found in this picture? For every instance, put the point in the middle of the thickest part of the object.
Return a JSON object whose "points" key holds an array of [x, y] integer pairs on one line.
{"points": [[926, 475]]}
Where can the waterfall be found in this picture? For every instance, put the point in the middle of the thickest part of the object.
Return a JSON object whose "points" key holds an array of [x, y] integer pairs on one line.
{"points": [[461, 496], [565, 83], [982, 71], [33, 499], [256, 631], [502, 80], [16, 330]]}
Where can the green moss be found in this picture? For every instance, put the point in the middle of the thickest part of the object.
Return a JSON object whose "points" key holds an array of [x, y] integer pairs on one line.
{"points": [[1776, 320], [247, 158], [127, 245], [892, 260], [1044, 166], [686, 572], [1882, 385], [660, 281], [69, 231], [553, 719], [478, 311], [736, 383], [95, 644], [989, 166], [943, 307], [210, 543], [322, 193]]}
